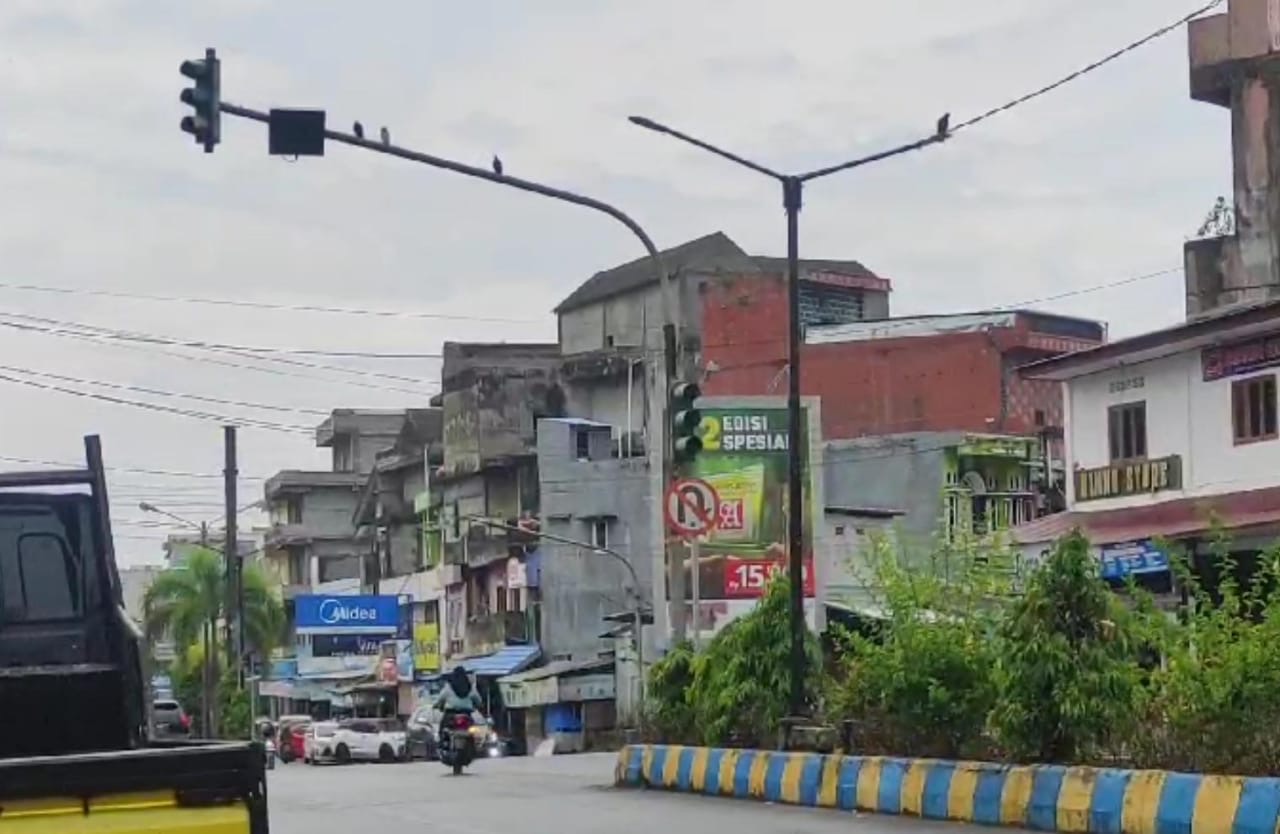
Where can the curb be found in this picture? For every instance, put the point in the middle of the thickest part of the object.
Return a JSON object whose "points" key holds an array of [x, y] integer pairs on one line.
{"points": [[1072, 800]]}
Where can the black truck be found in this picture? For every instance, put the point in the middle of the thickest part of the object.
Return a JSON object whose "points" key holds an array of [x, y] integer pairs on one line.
{"points": [[76, 754]]}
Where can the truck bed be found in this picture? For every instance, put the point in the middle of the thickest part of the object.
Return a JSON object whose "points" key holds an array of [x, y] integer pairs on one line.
{"points": [[201, 788]]}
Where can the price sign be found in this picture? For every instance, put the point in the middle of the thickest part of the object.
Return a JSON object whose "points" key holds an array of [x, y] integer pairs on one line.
{"points": [[748, 578]]}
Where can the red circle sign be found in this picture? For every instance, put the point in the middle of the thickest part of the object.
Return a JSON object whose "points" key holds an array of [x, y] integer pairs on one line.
{"points": [[692, 507]]}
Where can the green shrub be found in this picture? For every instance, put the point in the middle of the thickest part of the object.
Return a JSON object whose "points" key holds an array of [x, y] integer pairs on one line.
{"points": [[1068, 682], [919, 683]]}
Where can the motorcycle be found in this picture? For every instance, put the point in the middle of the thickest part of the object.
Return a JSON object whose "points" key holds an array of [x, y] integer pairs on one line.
{"points": [[457, 744]]}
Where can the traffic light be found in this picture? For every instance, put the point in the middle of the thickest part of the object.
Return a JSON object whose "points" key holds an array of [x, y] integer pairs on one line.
{"points": [[204, 98], [685, 419]]}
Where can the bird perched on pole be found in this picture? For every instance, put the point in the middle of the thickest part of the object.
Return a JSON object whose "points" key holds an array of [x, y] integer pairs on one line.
{"points": [[944, 125], [386, 136], [497, 165], [358, 130]]}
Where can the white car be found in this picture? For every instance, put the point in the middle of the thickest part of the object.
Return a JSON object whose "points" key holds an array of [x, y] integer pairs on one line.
{"points": [[370, 740], [320, 744]]}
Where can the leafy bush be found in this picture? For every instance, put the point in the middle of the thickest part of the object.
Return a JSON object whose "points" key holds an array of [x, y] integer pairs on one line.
{"points": [[1213, 703], [920, 684], [669, 713], [1068, 681]]}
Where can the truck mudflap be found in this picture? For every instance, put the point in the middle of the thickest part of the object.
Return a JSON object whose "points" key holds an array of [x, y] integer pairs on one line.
{"points": [[187, 789]]}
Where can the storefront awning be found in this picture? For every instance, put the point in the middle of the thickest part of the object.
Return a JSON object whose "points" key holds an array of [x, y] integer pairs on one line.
{"points": [[1169, 519], [502, 662]]}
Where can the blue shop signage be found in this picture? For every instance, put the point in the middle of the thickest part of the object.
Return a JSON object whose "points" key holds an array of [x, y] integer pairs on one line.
{"points": [[364, 614], [1132, 558]]}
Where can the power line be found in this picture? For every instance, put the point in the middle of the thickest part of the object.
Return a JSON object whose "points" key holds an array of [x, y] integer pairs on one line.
{"points": [[262, 305], [1085, 70], [130, 470], [207, 360], [162, 393], [248, 352], [181, 412]]}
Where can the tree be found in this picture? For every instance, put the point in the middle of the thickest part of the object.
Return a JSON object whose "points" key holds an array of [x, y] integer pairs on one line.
{"points": [[188, 602]]}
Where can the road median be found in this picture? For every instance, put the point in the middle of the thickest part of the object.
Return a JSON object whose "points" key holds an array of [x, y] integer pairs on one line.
{"points": [[1073, 800]]}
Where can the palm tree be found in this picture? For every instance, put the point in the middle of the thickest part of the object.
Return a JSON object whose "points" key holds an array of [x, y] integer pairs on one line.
{"points": [[188, 602]]}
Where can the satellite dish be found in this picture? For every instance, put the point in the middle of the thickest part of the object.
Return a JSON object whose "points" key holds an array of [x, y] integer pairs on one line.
{"points": [[974, 483]]}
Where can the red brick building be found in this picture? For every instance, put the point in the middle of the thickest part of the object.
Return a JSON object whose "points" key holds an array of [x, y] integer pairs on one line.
{"points": [[922, 373]]}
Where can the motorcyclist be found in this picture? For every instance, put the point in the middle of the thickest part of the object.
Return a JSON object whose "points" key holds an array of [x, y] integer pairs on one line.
{"points": [[458, 697]]}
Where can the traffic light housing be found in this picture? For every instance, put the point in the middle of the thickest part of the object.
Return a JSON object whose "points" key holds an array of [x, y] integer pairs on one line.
{"points": [[685, 420], [205, 99]]}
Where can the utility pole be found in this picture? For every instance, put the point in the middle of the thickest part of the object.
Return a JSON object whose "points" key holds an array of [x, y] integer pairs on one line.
{"points": [[231, 548], [792, 200]]}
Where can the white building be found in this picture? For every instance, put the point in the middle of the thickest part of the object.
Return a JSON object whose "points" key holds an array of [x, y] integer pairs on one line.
{"points": [[1164, 432]]}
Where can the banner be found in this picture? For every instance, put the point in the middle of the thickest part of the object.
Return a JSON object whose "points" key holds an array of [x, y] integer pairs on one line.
{"points": [[426, 648], [744, 457], [352, 614]]}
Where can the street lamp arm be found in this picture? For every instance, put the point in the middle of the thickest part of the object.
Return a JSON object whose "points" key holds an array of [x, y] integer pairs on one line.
{"points": [[488, 522], [665, 281], [152, 508], [658, 127], [876, 157]]}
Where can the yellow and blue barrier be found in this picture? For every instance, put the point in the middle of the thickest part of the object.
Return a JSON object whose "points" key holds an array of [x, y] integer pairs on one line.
{"points": [[1072, 800]]}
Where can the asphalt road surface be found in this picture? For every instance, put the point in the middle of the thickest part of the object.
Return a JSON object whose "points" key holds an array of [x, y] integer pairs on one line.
{"points": [[557, 795]]}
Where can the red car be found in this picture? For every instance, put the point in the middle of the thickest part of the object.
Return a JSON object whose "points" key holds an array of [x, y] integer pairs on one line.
{"points": [[291, 735]]}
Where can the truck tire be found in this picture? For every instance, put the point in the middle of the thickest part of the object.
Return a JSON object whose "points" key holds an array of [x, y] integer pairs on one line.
{"points": [[386, 754]]}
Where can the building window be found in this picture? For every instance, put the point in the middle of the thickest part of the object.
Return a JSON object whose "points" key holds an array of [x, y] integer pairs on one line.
{"points": [[599, 533], [293, 509], [1127, 430], [1253, 409], [582, 444], [513, 599], [500, 599]]}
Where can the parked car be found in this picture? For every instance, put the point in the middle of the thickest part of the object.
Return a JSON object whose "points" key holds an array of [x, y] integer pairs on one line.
{"points": [[290, 734], [421, 730], [319, 743], [169, 719], [370, 740]]}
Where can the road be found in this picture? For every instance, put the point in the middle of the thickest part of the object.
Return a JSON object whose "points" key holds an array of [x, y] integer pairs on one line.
{"points": [[564, 794]]}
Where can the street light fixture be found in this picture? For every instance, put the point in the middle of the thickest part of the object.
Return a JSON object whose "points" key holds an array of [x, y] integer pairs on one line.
{"points": [[792, 198], [202, 526]]}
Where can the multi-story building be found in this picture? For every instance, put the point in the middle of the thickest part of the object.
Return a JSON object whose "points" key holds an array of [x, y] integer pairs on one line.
{"points": [[1172, 435], [311, 542], [493, 396], [1169, 434], [611, 337]]}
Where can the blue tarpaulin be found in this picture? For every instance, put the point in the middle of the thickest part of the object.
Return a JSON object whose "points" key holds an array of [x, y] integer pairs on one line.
{"points": [[502, 662]]}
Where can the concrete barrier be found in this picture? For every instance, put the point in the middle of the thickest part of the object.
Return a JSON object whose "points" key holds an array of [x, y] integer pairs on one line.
{"points": [[1073, 800]]}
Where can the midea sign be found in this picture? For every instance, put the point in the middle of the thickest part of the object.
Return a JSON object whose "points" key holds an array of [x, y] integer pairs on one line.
{"points": [[346, 614]]}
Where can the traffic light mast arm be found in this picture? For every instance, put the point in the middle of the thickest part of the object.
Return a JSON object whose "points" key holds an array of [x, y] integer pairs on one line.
{"points": [[665, 281]]}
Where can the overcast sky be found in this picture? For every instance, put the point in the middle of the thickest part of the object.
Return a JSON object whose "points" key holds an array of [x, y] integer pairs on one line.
{"points": [[1095, 183]]}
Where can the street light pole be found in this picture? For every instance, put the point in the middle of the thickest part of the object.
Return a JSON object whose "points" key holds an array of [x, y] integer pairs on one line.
{"points": [[792, 201]]}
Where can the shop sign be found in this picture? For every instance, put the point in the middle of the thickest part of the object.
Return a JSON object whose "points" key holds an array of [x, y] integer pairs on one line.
{"points": [[1240, 358], [351, 614], [1131, 478], [1132, 558], [598, 687], [524, 694], [748, 578], [994, 447]]}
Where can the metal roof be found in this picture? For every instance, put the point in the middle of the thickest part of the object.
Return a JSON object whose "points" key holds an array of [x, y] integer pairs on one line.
{"points": [[505, 661]]}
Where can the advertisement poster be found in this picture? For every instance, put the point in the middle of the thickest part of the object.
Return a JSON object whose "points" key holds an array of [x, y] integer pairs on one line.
{"points": [[744, 458], [426, 648]]}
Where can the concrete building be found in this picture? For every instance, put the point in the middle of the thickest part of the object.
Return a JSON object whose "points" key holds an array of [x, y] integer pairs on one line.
{"points": [[918, 373], [311, 541], [589, 495], [1166, 432], [611, 337], [1232, 58], [493, 396]]}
